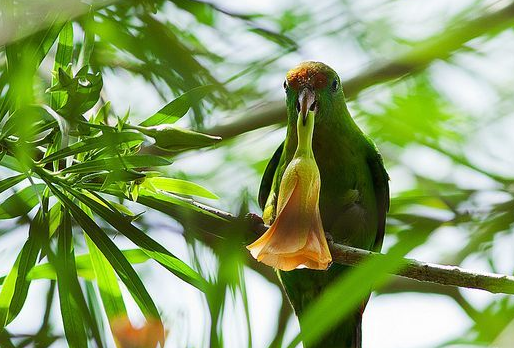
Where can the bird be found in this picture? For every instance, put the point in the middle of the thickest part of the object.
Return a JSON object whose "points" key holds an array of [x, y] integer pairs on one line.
{"points": [[327, 180]]}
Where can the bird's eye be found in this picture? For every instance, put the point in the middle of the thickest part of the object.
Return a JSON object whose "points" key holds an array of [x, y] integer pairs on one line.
{"points": [[285, 85], [335, 84]]}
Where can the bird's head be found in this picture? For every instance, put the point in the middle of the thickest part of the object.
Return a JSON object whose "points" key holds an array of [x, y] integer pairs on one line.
{"points": [[312, 86]]}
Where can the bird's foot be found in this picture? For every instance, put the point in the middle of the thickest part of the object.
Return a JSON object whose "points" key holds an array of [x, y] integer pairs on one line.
{"points": [[328, 236], [330, 242], [256, 223]]}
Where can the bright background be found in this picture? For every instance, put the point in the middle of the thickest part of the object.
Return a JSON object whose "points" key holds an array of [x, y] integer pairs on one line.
{"points": [[445, 132]]}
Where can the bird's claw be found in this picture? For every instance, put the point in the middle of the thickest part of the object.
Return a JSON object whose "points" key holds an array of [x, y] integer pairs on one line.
{"points": [[330, 241], [256, 223], [329, 237]]}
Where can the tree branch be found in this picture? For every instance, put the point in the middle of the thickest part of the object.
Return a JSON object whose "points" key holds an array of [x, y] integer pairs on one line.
{"points": [[413, 269], [424, 53], [431, 272]]}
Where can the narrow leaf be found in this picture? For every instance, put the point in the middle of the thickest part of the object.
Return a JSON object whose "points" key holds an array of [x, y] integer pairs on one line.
{"points": [[180, 187], [63, 57], [12, 163], [75, 313], [21, 202], [70, 293], [163, 201], [171, 138], [110, 292], [107, 140], [114, 163], [93, 303], [113, 255], [83, 265], [178, 107], [16, 285], [10, 182], [141, 239]]}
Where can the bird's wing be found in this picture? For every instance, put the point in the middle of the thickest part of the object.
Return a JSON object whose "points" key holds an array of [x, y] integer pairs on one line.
{"points": [[381, 187], [268, 176]]}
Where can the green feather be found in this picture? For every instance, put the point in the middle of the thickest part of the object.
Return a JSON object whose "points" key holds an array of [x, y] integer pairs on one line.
{"points": [[269, 174], [354, 197]]}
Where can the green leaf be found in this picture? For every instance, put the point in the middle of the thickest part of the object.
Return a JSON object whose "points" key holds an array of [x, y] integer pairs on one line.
{"points": [[163, 202], [100, 118], [10, 182], [44, 40], [204, 12], [116, 163], [70, 294], [54, 218], [83, 265], [122, 176], [172, 138], [179, 187], [141, 239], [178, 107], [11, 163], [63, 57], [93, 303], [16, 285], [23, 59], [88, 43], [112, 254], [28, 122], [82, 92], [5, 340], [107, 283], [21, 202], [107, 140], [38, 44]]}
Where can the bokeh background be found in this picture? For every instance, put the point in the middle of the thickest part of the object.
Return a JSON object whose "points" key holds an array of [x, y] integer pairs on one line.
{"points": [[430, 82]]}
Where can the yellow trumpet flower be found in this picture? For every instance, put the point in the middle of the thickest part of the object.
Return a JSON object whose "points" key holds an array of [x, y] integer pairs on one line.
{"points": [[296, 238]]}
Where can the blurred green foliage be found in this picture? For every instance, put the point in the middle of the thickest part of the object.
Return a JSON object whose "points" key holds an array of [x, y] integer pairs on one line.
{"points": [[75, 172]]}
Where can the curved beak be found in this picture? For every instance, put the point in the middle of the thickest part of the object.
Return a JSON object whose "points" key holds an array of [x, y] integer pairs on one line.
{"points": [[306, 102]]}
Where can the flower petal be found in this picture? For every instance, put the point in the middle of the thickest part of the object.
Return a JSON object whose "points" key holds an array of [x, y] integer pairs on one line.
{"points": [[296, 238]]}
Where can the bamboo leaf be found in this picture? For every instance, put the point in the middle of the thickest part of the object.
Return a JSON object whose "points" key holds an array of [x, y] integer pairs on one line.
{"points": [[83, 265], [28, 123], [63, 57], [70, 294], [21, 202], [178, 107], [110, 292], [163, 201], [96, 314], [113, 255], [141, 239], [82, 91], [171, 138], [44, 41], [10, 182], [180, 187], [16, 285], [12, 163], [114, 163], [109, 140]]}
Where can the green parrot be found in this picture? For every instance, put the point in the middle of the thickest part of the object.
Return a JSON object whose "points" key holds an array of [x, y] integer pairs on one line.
{"points": [[354, 193]]}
